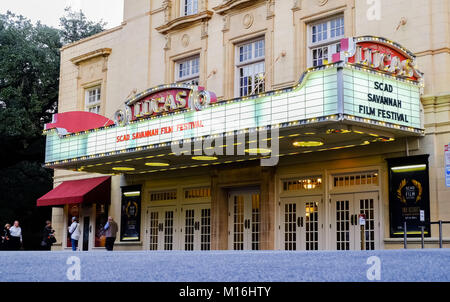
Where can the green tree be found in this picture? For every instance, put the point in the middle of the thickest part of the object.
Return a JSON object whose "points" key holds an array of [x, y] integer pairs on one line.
{"points": [[29, 81], [75, 26]]}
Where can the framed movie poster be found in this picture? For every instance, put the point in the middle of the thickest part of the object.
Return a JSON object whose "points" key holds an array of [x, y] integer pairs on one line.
{"points": [[131, 213], [409, 195]]}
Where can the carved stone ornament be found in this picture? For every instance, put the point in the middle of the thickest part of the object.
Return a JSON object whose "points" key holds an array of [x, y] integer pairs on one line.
{"points": [[247, 21], [270, 7], [204, 30], [226, 23], [321, 2], [167, 6], [167, 44], [185, 40], [297, 5]]}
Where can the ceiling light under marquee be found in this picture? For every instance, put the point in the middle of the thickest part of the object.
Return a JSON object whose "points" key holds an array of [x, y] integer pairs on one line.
{"points": [[123, 169], [203, 157], [308, 144], [258, 150], [159, 163]]}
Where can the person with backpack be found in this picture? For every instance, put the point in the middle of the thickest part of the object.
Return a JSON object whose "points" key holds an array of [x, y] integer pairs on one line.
{"points": [[74, 231]]}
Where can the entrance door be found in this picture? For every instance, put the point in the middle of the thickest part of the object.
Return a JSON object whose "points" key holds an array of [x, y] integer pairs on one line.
{"points": [[196, 234], [346, 230], [86, 231], [301, 223], [162, 228], [244, 220]]}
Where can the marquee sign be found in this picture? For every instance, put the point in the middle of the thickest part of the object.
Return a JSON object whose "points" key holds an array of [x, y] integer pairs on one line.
{"points": [[348, 90], [164, 99], [374, 96], [379, 54]]}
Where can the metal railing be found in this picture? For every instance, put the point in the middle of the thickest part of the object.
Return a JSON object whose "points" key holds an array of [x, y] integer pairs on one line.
{"points": [[422, 228]]}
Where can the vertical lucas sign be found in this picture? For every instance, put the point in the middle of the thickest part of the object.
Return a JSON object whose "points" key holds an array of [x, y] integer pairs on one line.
{"points": [[379, 54]]}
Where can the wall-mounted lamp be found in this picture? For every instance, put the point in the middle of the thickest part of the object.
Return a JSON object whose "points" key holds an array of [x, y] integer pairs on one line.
{"points": [[213, 72], [402, 22]]}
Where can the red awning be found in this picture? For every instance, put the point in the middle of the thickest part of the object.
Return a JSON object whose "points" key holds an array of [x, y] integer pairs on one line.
{"points": [[90, 190]]}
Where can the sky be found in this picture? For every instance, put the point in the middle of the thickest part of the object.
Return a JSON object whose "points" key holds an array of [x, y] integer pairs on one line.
{"points": [[49, 11]]}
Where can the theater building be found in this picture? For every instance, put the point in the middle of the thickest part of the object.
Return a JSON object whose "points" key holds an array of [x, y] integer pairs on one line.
{"points": [[256, 125]]}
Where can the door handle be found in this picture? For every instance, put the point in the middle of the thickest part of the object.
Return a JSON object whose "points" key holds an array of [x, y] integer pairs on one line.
{"points": [[351, 219], [197, 225], [247, 223], [298, 222]]}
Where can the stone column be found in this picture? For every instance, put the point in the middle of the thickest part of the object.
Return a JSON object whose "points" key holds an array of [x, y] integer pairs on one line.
{"points": [[219, 214], [267, 208], [59, 226]]}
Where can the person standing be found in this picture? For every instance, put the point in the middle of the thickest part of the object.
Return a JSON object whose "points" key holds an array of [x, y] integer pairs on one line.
{"points": [[6, 236], [111, 229], [75, 233], [16, 236], [48, 236]]}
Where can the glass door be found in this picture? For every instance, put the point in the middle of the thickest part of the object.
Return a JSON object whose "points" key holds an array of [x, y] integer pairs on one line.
{"points": [[301, 223], [86, 231], [347, 232], [162, 227], [366, 203], [197, 227], [244, 220]]}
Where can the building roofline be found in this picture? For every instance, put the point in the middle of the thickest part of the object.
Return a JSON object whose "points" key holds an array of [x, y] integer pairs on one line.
{"points": [[100, 34]]}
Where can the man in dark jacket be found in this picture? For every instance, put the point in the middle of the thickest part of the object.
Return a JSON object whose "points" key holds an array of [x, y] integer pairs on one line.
{"points": [[111, 229]]}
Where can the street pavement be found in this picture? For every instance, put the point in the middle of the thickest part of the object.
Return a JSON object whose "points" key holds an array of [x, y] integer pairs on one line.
{"points": [[227, 266]]}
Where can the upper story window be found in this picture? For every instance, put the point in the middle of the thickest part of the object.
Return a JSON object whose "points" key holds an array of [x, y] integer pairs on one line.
{"points": [[189, 7], [188, 71], [250, 67], [324, 40], [93, 99]]}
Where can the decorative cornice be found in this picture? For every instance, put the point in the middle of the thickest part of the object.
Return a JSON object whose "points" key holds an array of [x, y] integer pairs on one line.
{"points": [[431, 52], [439, 100], [184, 21], [102, 52], [229, 5], [297, 5]]}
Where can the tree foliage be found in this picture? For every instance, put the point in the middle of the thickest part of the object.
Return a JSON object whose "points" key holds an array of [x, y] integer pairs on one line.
{"points": [[75, 26], [29, 82]]}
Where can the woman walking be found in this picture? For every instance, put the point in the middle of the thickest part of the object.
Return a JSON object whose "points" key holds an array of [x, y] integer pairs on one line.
{"points": [[6, 237], [48, 236]]}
